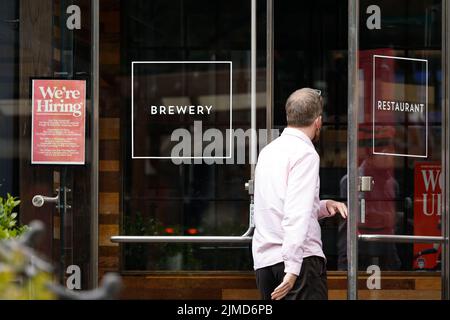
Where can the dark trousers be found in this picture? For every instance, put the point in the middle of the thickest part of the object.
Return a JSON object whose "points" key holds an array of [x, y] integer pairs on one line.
{"points": [[311, 284]]}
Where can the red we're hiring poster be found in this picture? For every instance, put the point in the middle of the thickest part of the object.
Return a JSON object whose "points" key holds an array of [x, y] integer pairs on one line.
{"points": [[58, 121], [427, 214]]}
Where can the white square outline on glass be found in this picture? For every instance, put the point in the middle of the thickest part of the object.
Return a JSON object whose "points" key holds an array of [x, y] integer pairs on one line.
{"points": [[426, 108], [181, 62]]}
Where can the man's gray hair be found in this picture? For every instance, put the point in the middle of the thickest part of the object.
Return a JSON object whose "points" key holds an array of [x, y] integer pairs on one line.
{"points": [[303, 107]]}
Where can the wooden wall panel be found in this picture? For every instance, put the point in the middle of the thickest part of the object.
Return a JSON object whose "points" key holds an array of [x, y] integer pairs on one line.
{"points": [[109, 165], [244, 294], [109, 129], [109, 203], [110, 183], [105, 232], [243, 287], [109, 150]]}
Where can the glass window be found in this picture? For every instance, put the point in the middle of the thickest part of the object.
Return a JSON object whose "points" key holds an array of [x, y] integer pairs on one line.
{"points": [[186, 196], [191, 197]]}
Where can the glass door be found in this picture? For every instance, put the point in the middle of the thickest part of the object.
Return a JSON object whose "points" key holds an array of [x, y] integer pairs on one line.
{"points": [[46, 158], [396, 160]]}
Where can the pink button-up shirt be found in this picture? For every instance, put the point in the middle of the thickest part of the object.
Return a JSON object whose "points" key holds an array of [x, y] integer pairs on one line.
{"points": [[287, 205]]}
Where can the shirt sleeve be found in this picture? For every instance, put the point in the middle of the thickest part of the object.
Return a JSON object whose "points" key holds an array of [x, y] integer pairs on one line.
{"points": [[323, 212], [298, 209]]}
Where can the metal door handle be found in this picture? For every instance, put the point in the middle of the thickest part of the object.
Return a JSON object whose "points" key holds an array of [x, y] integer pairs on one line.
{"points": [[400, 238], [39, 200], [366, 184], [363, 211], [181, 239]]}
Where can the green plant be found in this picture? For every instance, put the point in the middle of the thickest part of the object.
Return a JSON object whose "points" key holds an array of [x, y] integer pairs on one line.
{"points": [[158, 256], [136, 255], [9, 228]]}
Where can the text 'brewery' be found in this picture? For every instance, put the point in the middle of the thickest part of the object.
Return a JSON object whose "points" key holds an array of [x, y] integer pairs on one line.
{"points": [[190, 110]]}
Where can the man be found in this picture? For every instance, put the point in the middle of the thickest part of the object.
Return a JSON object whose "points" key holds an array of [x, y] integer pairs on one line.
{"points": [[287, 246]]}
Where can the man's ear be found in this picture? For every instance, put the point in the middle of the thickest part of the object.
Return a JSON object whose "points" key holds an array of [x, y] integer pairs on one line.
{"points": [[318, 122]]}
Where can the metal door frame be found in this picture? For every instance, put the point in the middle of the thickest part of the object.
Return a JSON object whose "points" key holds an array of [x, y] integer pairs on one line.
{"points": [[95, 87], [352, 157], [352, 149], [446, 149]]}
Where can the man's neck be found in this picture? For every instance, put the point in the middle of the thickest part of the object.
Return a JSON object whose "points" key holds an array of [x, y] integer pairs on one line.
{"points": [[308, 131]]}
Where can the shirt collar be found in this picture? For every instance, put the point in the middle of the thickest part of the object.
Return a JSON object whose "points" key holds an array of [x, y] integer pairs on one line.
{"points": [[297, 133]]}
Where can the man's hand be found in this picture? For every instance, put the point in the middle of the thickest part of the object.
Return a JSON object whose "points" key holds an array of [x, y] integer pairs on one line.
{"points": [[334, 207], [283, 289]]}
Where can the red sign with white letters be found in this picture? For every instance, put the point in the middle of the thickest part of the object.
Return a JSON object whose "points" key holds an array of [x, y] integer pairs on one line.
{"points": [[58, 121], [427, 213]]}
